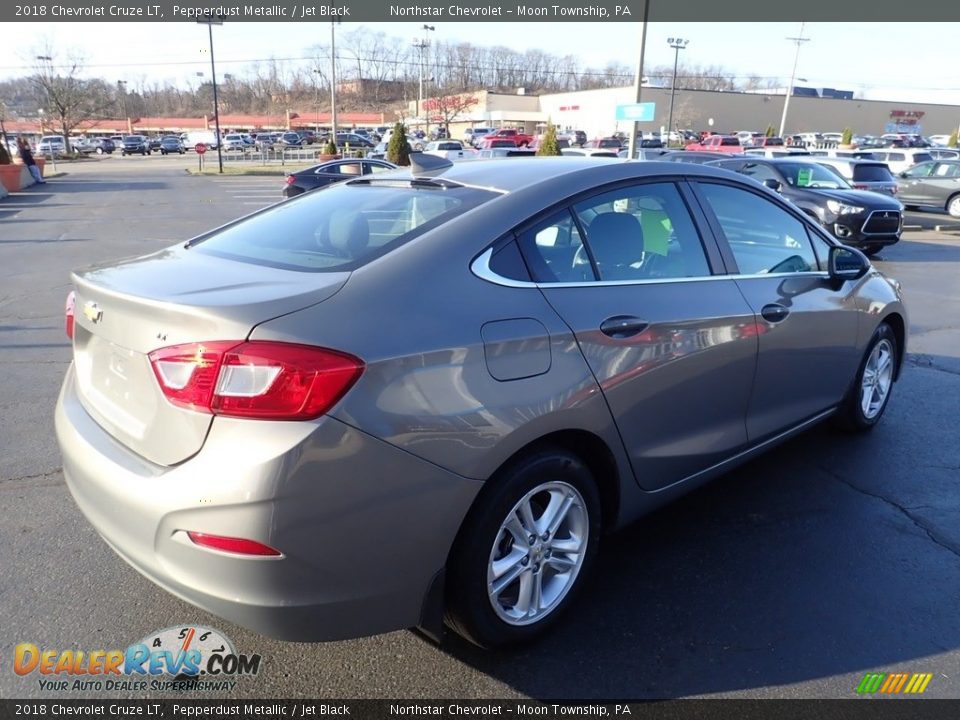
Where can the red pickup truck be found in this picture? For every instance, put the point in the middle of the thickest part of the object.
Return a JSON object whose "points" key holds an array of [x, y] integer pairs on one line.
{"points": [[521, 139], [718, 143]]}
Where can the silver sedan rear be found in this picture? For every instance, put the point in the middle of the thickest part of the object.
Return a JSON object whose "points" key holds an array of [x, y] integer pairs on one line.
{"points": [[424, 396]]}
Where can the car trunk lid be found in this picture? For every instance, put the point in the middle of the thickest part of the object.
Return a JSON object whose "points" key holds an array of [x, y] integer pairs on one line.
{"points": [[126, 311]]}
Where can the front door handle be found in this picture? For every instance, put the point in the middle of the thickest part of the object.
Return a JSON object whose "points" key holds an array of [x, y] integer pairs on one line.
{"points": [[774, 312], [623, 326]]}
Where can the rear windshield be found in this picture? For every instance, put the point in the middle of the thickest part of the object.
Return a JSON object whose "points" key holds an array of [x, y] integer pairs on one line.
{"points": [[342, 227], [730, 141], [871, 173]]}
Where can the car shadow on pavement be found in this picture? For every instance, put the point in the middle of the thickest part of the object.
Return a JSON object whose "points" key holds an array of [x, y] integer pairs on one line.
{"points": [[929, 252], [90, 186], [41, 241], [801, 565]]}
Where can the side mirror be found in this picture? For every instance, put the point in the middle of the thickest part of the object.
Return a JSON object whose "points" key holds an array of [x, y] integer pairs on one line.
{"points": [[903, 174], [773, 184], [846, 263]]}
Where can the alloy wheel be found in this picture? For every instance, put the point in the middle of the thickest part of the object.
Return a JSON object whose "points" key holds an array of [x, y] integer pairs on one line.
{"points": [[877, 379], [538, 553]]}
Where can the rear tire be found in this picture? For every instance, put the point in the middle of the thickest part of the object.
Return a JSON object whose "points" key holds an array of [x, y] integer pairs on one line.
{"points": [[953, 206], [524, 550], [870, 392]]}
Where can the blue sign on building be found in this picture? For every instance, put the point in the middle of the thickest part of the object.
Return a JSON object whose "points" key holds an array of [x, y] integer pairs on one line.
{"points": [[636, 112]]}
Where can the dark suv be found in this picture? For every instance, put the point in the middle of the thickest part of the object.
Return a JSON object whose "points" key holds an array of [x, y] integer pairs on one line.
{"points": [[867, 220], [102, 146], [133, 144]]}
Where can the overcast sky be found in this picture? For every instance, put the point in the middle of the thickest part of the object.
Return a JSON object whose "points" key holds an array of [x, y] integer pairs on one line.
{"points": [[896, 61]]}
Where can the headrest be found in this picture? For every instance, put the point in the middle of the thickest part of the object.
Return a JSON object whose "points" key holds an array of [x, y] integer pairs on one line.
{"points": [[349, 233], [616, 239]]}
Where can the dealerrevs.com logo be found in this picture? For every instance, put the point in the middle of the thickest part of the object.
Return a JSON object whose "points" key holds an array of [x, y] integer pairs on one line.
{"points": [[177, 658]]}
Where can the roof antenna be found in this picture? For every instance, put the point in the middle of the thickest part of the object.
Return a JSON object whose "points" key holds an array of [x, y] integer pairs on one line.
{"points": [[422, 163]]}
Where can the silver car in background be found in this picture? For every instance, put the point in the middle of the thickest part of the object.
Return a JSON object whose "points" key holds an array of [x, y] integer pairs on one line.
{"points": [[425, 395]]}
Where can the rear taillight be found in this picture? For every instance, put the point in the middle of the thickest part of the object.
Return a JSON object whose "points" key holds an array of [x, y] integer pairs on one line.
{"points": [[68, 314], [239, 546], [256, 379], [290, 179]]}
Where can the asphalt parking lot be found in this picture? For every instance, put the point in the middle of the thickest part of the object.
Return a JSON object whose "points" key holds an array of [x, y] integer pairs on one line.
{"points": [[791, 577]]}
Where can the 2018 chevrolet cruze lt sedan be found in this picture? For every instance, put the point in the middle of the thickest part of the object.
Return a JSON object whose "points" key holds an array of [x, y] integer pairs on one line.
{"points": [[426, 395]]}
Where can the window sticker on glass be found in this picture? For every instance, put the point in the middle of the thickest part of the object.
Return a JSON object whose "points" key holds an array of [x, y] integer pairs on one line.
{"points": [[804, 177]]}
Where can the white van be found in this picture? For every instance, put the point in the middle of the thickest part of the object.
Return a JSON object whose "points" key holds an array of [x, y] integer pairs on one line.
{"points": [[473, 136], [207, 137]]}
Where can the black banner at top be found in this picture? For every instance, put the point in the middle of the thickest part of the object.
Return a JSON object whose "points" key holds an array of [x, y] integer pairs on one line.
{"points": [[485, 11]]}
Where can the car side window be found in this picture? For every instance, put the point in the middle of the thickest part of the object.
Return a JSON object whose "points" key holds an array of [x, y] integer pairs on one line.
{"points": [[946, 170], [552, 249], [921, 170], [763, 237], [759, 172], [642, 232], [822, 248]]}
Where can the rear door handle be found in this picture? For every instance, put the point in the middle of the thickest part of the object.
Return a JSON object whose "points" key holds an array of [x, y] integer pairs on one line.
{"points": [[623, 326], [774, 312]]}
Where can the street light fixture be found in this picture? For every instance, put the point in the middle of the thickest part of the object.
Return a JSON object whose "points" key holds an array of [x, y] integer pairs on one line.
{"points": [[422, 45], [677, 44], [210, 21], [799, 40], [122, 90], [316, 98]]}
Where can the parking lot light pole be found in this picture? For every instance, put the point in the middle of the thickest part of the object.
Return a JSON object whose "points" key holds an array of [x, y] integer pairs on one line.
{"points": [[210, 21], [638, 80], [799, 40], [316, 100], [677, 44], [422, 45]]}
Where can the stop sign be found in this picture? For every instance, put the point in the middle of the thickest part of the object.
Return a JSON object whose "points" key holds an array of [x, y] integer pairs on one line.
{"points": [[200, 148]]}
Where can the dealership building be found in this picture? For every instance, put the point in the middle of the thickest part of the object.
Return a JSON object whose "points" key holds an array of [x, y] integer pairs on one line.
{"points": [[595, 112]]}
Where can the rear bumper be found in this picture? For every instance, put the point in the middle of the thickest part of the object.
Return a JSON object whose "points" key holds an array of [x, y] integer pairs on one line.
{"points": [[363, 526]]}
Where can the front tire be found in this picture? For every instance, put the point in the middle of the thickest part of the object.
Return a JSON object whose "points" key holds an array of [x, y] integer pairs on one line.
{"points": [[871, 250], [524, 550], [867, 398]]}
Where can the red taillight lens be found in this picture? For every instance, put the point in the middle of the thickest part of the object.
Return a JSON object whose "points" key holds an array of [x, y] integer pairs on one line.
{"points": [[256, 379], [68, 314], [290, 179], [240, 546]]}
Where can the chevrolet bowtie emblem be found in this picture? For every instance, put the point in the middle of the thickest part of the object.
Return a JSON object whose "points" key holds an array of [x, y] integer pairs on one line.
{"points": [[92, 312]]}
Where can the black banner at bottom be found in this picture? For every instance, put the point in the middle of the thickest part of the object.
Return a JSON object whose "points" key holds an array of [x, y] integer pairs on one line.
{"points": [[866, 708]]}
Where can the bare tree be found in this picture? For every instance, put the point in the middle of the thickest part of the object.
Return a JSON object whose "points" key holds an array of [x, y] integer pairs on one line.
{"points": [[448, 107], [64, 94]]}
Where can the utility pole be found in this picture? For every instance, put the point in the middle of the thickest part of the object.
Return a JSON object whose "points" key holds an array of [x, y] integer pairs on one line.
{"points": [[422, 45], [638, 79], [210, 21], [677, 44], [793, 76]]}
